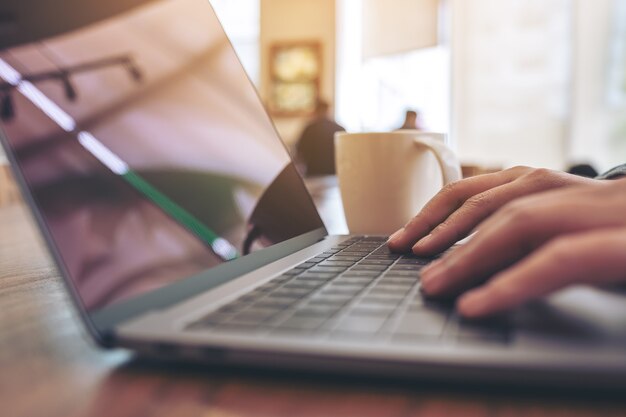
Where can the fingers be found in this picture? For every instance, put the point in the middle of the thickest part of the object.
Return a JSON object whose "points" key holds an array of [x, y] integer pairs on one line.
{"points": [[448, 200], [466, 267], [460, 223], [514, 232], [478, 207], [460, 207], [593, 257]]}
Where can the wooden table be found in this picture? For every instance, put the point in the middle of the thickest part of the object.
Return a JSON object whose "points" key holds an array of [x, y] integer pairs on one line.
{"points": [[50, 368]]}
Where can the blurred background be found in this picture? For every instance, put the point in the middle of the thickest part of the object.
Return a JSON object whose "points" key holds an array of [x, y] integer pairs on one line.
{"points": [[534, 82]]}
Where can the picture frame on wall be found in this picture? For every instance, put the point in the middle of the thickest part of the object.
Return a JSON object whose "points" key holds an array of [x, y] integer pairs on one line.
{"points": [[295, 78]]}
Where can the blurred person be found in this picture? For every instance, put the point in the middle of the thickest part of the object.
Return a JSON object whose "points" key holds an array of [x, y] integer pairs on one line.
{"points": [[315, 149], [538, 231], [412, 121]]}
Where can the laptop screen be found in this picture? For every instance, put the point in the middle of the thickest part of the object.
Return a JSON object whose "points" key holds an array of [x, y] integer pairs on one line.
{"points": [[147, 152]]}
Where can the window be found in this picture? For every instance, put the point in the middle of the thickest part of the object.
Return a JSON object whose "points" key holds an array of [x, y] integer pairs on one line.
{"points": [[374, 92], [241, 21]]}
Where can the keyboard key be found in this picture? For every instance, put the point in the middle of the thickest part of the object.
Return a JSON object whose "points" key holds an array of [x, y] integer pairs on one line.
{"points": [[256, 315], [366, 246], [276, 302], [417, 304], [350, 284], [333, 306], [360, 267], [336, 263], [289, 293], [384, 256], [381, 239], [390, 279], [383, 298], [360, 254], [378, 301], [364, 309], [360, 324], [367, 261], [396, 273], [328, 269], [414, 261], [319, 281], [317, 311], [344, 285], [341, 290], [301, 323], [397, 267], [384, 250], [343, 280], [317, 275], [303, 283], [389, 289], [346, 258], [331, 301], [367, 273], [393, 283]]}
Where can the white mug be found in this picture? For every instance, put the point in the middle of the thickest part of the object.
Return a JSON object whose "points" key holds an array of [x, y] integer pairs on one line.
{"points": [[386, 178]]}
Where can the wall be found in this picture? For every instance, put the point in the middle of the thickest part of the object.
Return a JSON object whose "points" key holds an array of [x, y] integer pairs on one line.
{"points": [[511, 81], [298, 20], [392, 27], [596, 120]]}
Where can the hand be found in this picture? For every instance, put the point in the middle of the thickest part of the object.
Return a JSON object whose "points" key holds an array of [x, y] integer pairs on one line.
{"points": [[534, 246], [455, 211]]}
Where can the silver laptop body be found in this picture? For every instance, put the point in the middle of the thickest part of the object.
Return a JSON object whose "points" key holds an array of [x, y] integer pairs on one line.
{"points": [[184, 232]]}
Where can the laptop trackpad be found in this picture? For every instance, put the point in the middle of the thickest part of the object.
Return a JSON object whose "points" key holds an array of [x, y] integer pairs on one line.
{"points": [[578, 317]]}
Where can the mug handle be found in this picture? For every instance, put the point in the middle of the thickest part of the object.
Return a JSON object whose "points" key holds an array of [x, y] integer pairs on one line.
{"points": [[448, 162]]}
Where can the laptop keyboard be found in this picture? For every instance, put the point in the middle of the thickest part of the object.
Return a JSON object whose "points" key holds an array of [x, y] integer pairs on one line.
{"points": [[357, 289]]}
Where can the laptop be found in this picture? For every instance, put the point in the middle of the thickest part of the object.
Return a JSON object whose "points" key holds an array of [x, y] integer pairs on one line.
{"points": [[184, 232]]}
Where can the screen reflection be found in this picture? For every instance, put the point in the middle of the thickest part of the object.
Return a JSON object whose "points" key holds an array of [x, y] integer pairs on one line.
{"points": [[147, 150]]}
